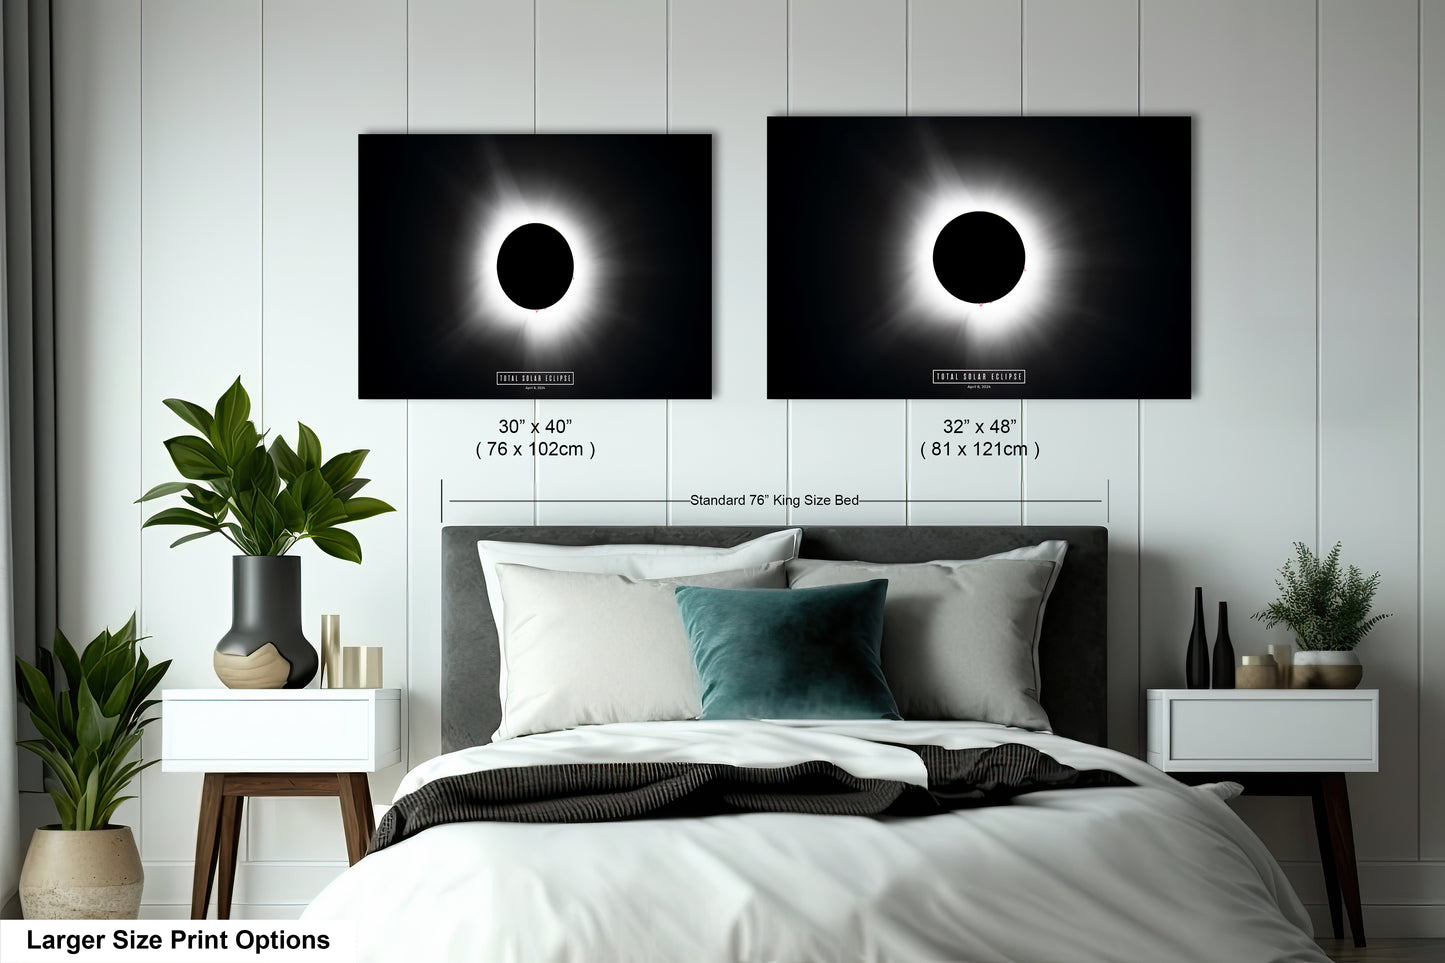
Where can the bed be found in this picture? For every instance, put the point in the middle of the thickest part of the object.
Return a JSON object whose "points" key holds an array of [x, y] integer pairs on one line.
{"points": [[1134, 867]]}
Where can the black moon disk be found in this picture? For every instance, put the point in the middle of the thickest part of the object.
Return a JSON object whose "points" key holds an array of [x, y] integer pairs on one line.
{"points": [[978, 257], [534, 266]]}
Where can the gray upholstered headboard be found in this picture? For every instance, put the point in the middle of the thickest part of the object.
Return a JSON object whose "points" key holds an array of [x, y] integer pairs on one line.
{"points": [[1071, 652]]}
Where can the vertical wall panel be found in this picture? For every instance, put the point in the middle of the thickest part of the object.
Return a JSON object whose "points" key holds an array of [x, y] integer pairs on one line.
{"points": [[1432, 427], [97, 311], [848, 57], [332, 71], [1369, 333], [987, 81], [200, 328], [603, 67], [985, 78], [729, 73], [469, 70], [1082, 60], [97, 220], [1227, 479]]}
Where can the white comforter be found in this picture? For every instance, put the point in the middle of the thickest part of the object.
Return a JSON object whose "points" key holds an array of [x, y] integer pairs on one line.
{"points": [[1157, 873]]}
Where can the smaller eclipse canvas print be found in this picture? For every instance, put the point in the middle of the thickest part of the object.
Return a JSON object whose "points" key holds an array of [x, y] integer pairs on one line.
{"points": [[977, 257], [535, 266]]}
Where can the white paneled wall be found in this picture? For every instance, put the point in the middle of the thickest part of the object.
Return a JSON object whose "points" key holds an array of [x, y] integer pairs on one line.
{"points": [[206, 227]]}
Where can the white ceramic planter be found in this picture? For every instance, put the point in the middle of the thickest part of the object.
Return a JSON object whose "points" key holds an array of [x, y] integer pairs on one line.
{"points": [[1326, 670], [91, 875]]}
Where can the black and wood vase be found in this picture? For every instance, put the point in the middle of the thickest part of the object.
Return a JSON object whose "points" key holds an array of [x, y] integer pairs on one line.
{"points": [[265, 648], [1223, 651], [1196, 659]]}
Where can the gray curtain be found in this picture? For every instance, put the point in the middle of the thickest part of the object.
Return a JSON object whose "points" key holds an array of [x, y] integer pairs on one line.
{"points": [[27, 399]]}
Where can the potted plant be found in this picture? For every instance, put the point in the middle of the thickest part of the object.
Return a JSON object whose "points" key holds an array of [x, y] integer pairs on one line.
{"points": [[85, 868], [264, 502], [1328, 607]]}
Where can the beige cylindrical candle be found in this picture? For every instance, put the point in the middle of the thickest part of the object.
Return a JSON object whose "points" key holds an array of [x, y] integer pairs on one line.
{"points": [[1257, 672], [368, 669], [331, 652], [361, 667], [351, 667]]}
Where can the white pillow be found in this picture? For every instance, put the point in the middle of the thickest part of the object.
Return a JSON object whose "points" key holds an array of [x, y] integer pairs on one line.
{"points": [[957, 638], [585, 648], [634, 561], [1052, 550]]}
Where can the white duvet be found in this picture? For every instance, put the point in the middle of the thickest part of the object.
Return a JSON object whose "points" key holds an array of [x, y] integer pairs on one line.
{"points": [[1156, 873]]}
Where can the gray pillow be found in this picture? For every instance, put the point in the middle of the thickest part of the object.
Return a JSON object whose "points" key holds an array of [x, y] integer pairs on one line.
{"points": [[582, 648], [958, 637]]}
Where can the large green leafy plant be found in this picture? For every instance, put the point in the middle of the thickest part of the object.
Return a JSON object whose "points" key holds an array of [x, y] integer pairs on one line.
{"points": [[89, 728], [264, 501], [1327, 605]]}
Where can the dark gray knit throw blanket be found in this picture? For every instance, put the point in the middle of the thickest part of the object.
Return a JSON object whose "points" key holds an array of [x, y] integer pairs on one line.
{"points": [[596, 792]]}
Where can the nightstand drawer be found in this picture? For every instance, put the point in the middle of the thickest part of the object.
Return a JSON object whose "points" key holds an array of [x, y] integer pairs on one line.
{"points": [[1263, 730], [267, 730], [304, 730], [1255, 729]]}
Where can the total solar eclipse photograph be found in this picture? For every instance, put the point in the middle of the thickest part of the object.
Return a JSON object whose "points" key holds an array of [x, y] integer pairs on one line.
{"points": [[1003, 257], [535, 265]]}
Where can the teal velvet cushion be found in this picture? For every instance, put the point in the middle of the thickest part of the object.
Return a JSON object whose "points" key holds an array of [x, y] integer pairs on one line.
{"points": [[807, 653]]}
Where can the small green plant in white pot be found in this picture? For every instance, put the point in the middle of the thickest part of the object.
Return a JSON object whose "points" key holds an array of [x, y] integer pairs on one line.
{"points": [[84, 867], [1329, 608]]}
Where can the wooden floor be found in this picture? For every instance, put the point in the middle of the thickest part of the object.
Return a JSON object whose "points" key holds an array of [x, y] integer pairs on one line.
{"points": [[1386, 951]]}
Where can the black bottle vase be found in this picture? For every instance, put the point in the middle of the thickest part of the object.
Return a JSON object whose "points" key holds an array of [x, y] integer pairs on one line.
{"points": [[1196, 659], [1223, 651], [265, 648]]}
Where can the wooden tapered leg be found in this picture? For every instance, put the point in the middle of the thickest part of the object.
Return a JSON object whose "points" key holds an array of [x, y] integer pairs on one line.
{"points": [[207, 840], [1327, 861], [231, 809], [356, 814], [1342, 840]]}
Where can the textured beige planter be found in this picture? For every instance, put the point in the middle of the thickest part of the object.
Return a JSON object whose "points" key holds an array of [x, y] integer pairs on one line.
{"points": [[91, 875], [1326, 670]]}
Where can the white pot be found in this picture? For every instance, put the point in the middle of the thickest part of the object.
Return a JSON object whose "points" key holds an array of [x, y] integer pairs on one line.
{"points": [[91, 874], [1322, 669]]}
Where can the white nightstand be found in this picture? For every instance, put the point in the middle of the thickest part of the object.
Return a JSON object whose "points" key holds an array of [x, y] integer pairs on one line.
{"points": [[275, 742], [1278, 742]]}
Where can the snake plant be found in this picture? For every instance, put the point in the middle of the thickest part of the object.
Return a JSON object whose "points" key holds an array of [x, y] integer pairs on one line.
{"points": [[89, 727]]}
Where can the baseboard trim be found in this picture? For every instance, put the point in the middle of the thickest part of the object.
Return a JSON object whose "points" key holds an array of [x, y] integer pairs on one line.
{"points": [[168, 883]]}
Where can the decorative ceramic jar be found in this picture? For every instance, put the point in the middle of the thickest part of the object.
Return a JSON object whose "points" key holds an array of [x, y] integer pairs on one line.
{"points": [[1326, 669], [91, 874]]}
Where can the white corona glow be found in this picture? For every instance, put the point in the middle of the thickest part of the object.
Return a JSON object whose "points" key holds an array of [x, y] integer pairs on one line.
{"points": [[583, 305], [1018, 315]]}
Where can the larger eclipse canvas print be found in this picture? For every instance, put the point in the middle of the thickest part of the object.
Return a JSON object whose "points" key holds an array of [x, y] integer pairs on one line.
{"points": [[1005, 257], [526, 265]]}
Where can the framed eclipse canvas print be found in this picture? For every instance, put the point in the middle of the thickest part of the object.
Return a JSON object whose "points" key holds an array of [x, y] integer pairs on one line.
{"points": [[527, 265], [1005, 257]]}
